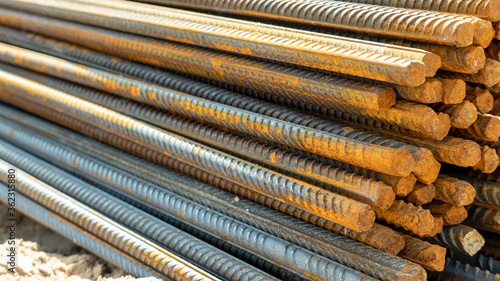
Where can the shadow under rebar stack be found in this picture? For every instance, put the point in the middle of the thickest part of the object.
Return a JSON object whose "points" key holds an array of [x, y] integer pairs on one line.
{"points": [[259, 139]]}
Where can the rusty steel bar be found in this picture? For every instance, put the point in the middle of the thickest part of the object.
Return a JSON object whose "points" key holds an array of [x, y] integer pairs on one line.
{"points": [[483, 218], [420, 25], [73, 52], [195, 250], [487, 191], [276, 79], [438, 227], [336, 180], [431, 257], [451, 214], [378, 236], [460, 238], [489, 160], [489, 75], [422, 194], [431, 91], [292, 257], [481, 98], [431, 61], [452, 150], [322, 241], [453, 90], [399, 163], [256, 239], [454, 191], [319, 201], [462, 115], [407, 216], [486, 128], [400, 185], [464, 60], [242, 38], [80, 237], [485, 9], [148, 252]]}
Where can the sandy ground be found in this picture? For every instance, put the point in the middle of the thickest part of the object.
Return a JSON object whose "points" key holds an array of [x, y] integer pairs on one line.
{"points": [[45, 255]]}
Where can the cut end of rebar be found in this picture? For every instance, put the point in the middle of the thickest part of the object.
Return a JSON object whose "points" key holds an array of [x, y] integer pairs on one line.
{"points": [[405, 185], [489, 160], [401, 162], [490, 73], [364, 220], [385, 196], [465, 116], [385, 99], [492, 130], [474, 58], [414, 75], [432, 63], [472, 242], [483, 33], [464, 34], [426, 166], [454, 90], [484, 101]]}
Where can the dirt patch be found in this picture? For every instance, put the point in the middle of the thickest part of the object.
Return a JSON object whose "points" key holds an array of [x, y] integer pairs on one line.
{"points": [[45, 255]]}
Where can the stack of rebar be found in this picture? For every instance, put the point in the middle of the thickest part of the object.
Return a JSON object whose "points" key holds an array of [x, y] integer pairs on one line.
{"points": [[259, 139]]}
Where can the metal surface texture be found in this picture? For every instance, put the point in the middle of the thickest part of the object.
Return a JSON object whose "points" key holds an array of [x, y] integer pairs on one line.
{"points": [[169, 264], [274, 249], [208, 257], [483, 218], [243, 38], [484, 263], [277, 79], [328, 244], [457, 271], [409, 217], [486, 9], [84, 239], [420, 25], [397, 160], [460, 238], [331, 206], [378, 236], [336, 180]]}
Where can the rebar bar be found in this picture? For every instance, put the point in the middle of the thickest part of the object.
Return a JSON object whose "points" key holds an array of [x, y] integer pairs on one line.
{"points": [[378, 236], [197, 29], [481, 98], [294, 258], [82, 238], [489, 160], [455, 271], [462, 115], [432, 27], [453, 90], [483, 218], [451, 214], [489, 75], [454, 191], [260, 75], [166, 262], [432, 257], [422, 194], [484, 263], [411, 218], [218, 114], [330, 245], [178, 241], [486, 128], [487, 191], [485, 9], [460, 238]]}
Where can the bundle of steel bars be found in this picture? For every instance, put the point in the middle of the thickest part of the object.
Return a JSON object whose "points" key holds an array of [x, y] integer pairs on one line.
{"points": [[259, 139]]}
